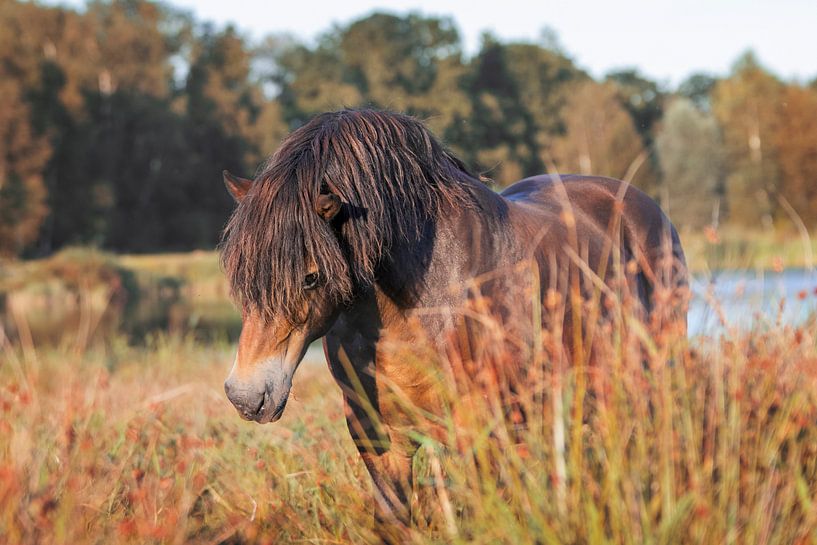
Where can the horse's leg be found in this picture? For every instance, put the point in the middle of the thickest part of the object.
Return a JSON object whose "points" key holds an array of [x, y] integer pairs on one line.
{"points": [[391, 473], [388, 457]]}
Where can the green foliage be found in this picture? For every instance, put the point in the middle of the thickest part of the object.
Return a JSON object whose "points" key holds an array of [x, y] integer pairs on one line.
{"points": [[409, 64], [641, 97], [517, 92], [698, 89], [690, 152]]}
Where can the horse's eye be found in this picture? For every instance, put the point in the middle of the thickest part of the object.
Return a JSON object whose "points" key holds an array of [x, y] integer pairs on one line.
{"points": [[310, 281]]}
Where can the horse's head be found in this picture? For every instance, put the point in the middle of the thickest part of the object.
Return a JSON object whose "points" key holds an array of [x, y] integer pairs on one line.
{"points": [[273, 341], [326, 213]]}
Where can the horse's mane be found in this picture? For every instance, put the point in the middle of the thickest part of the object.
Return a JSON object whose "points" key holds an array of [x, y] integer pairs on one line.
{"points": [[393, 177]]}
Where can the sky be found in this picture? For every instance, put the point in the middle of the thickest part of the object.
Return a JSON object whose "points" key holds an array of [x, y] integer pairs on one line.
{"points": [[666, 40]]}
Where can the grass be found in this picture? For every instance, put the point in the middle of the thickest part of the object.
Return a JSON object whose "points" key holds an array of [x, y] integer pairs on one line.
{"points": [[140, 445], [660, 441], [119, 444], [733, 249]]}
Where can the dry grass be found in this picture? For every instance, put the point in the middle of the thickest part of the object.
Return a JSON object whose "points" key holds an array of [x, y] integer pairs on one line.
{"points": [[655, 442], [713, 445], [125, 445]]}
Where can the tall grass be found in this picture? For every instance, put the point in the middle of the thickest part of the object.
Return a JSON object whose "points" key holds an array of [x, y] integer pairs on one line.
{"points": [[716, 444], [656, 439], [139, 445]]}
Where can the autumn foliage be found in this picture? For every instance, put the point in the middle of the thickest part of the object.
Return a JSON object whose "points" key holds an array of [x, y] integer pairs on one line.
{"points": [[124, 113]]}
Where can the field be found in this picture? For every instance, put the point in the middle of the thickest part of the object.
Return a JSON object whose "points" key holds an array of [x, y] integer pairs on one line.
{"points": [[113, 432], [122, 445]]}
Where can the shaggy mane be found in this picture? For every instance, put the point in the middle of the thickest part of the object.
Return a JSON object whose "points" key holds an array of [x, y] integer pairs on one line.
{"points": [[392, 176]]}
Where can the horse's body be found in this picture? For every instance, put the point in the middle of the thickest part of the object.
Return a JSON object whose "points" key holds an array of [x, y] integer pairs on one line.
{"points": [[567, 228]]}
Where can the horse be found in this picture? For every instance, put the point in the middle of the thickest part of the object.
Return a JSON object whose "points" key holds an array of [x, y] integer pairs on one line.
{"points": [[362, 220]]}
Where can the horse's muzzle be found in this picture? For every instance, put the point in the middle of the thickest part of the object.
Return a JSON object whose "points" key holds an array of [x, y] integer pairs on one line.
{"points": [[261, 401]]}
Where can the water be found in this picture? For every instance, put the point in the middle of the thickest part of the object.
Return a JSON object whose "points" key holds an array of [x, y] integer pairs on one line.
{"points": [[750, 299], [745, 300]]}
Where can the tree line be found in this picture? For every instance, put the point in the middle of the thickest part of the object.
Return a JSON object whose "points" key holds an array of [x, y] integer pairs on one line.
{"points": [[116, 120]]}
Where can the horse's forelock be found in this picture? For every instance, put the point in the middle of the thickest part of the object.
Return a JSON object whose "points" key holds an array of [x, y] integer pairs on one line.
{"points": [[390, 172]]}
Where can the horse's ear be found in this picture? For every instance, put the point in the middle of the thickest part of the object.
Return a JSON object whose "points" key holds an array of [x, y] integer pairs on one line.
{"points": [[237, 186], [327, 206]]}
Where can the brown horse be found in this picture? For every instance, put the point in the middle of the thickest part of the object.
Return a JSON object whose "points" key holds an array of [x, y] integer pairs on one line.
{"points": [[362, 221]]}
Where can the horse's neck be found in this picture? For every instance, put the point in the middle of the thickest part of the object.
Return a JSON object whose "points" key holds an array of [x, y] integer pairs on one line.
{"points": [[461, 243]]}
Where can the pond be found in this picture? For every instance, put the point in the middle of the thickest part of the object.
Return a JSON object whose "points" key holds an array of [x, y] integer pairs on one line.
{"points": [[751, 299]]}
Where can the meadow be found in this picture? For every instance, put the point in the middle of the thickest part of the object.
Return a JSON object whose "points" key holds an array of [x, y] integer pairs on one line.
{"points": [[114, 427]]}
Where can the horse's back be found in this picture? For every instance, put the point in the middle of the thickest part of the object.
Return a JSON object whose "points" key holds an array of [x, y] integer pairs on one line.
{"points": [[592, 200], [592, 195], [605, 208]]}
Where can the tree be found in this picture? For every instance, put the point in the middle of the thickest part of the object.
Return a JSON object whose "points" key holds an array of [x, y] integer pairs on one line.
{"points": [[394, 61], [23, 153], [747, 107], [69, 65], [698, 89], [642, 99], [516, 92], [130, 50], [600, 137], [22, 158], [226, 123], [408, 63], [542, 76], [689, 149], [796, 146]]}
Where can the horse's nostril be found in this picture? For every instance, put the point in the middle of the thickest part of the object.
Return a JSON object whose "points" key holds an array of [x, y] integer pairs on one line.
{"points": [[250, 404], [236, 397]]}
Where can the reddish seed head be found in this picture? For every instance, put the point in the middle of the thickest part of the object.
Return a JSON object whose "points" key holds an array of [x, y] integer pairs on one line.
{"points": [[127, 528], [24, 397], [199, 481], [711, 235], [516, 416]]}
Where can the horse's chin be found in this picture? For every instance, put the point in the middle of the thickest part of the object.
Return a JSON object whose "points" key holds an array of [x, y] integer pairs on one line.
{"points": [[273, 414]]}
